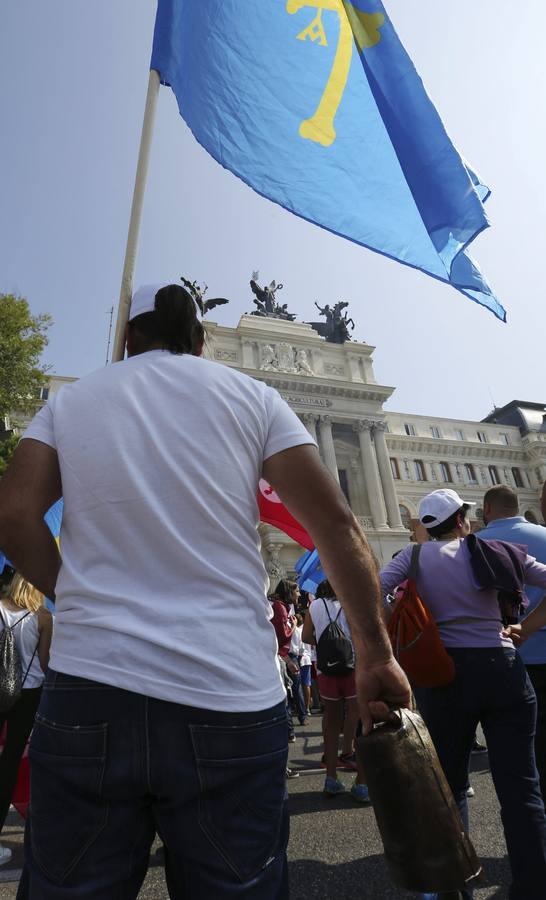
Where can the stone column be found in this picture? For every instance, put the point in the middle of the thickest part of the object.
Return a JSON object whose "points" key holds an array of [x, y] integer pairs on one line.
{"points": [[249, 361], [327, 444], [369, 463], [310, 422], [354, 367], [385, 473]]}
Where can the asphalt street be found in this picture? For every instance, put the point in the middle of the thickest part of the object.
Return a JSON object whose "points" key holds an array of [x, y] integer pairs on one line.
{"points": [[335, 850]]}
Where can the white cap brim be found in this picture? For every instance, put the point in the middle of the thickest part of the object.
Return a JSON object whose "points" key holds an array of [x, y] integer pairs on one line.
{"points": [[144, 300]]}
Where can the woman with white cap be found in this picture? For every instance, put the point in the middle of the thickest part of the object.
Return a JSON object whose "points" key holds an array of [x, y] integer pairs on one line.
{"points": [[490, 687]]}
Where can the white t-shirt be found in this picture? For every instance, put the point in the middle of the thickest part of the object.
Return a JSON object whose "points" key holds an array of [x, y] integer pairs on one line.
{"points": [[162, 580], [299, 649], [319, 615]]}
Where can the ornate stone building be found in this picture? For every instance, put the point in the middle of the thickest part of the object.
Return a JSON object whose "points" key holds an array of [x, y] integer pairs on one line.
{"points": [[384, 461]]}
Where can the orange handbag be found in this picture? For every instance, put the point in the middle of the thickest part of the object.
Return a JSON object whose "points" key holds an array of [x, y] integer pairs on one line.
{"points": [[415, 638]]}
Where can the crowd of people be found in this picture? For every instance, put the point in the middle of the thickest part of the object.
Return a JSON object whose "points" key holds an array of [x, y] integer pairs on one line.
{"points": [[491, 686], [150, 721]]}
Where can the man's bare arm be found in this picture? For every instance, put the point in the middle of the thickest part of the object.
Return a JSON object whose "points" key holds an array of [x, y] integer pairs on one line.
{"points": [[31, 484], [308, 632], [313, 497]]}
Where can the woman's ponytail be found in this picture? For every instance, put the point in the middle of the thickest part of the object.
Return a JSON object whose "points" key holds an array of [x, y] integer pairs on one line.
{"points": [[177, 325], [173, 323]]}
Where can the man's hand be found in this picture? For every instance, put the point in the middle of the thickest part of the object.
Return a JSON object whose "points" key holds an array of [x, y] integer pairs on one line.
{"points": [[292, 666], [379, 686]]}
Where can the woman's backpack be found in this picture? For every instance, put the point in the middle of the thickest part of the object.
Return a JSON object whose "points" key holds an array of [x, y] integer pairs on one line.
{"points": [[11, 673], [415, 638], [335, 656]]}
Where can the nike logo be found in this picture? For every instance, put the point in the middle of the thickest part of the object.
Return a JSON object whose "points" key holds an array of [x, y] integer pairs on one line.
{"points": [[331, 664]]}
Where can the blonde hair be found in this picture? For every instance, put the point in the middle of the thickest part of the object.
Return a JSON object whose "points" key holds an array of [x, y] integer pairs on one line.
{"points": [[24, 594]]}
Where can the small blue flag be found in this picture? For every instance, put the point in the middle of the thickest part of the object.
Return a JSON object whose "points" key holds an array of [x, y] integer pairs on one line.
{"points": [[317, 106], [54, 517], [310, 571]]}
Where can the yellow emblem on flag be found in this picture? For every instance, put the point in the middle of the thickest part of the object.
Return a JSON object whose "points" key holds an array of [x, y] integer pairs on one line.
{"points": [[364, 28]]}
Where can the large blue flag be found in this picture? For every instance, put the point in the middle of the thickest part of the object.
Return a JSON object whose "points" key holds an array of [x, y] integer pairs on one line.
{"points": [[316, 105]]}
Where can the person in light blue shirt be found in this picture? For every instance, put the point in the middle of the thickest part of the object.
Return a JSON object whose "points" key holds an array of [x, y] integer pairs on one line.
{"points": [[503, 523]]}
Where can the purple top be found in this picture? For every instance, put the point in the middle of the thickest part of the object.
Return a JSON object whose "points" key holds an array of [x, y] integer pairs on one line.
{"points": [[465, 615]]}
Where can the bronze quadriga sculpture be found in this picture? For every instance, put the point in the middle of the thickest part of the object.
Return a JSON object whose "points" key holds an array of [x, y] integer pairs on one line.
{"points": [[425, 844]]}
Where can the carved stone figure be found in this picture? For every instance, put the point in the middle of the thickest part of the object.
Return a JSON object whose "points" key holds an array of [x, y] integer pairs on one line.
{"points": [[274, 566], [286, 358], [269, 363], [336, 327], [264, 299], [302, 363]]}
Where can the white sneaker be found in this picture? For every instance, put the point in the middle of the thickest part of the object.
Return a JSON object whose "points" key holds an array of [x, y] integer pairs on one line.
{"points": [[5, 855]]}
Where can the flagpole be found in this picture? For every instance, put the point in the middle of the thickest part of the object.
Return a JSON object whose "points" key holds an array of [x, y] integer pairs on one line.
{"points": [[136, 215]]}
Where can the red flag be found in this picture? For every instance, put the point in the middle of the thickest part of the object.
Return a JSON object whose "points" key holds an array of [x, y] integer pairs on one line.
{"points": [[274, 512]]}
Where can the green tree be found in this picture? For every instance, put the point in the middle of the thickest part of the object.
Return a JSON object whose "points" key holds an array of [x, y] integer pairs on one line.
{"points": [[7, 449], [23, 338]]}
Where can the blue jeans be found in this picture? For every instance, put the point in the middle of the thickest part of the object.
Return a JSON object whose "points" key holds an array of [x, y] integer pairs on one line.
{"points": [[297, 692], [491, 686], [110, 768]]}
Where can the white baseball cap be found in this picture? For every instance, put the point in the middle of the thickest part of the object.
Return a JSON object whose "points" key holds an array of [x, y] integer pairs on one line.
{"points": [[435, 508], [144, 299]]}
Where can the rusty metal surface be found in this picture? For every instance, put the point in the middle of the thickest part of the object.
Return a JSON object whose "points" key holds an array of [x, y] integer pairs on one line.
{"points": [[425, 845]]}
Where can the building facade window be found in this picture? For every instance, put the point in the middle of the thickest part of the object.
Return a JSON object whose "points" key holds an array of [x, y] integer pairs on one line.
{"points": [[470, 473], [482, 437], [409, 428], [445, 472], [435, 431], [459, 434], [405, 516], [419, 470], [504, 439], [394, 468], [494, 475], [516, 474], [44, 393]]}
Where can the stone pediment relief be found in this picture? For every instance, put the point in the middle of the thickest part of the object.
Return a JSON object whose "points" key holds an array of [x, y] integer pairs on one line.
{"points": [[337, 371], [226, 355], [284, 357]]}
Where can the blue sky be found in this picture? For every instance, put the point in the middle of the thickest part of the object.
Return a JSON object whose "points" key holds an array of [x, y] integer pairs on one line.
{"points": [[73, 79]]}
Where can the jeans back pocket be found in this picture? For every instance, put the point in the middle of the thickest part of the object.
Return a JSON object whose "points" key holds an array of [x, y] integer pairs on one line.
{"points": [[67, 811], [242, 799]]}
